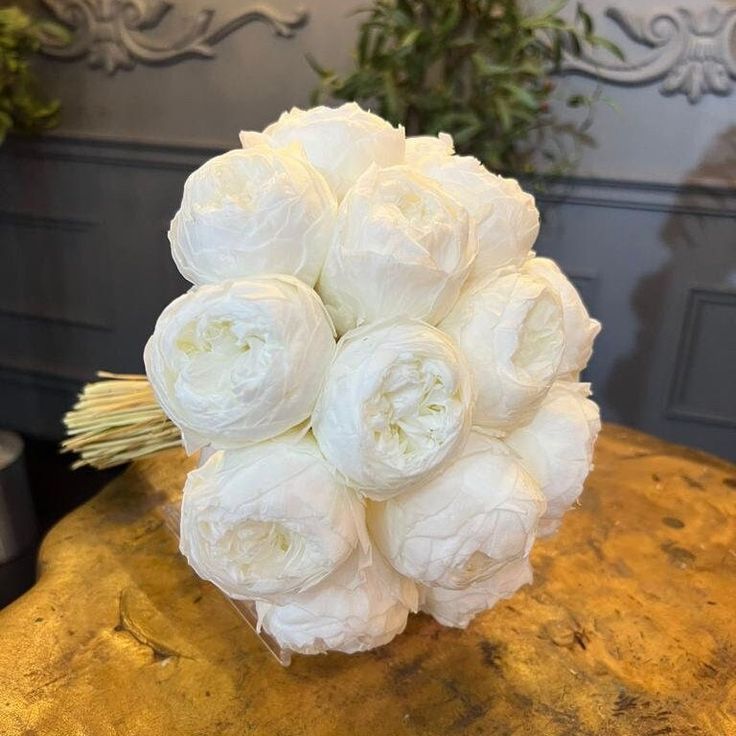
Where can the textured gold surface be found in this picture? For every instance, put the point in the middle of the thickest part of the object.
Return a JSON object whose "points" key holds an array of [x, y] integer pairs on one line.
{"points": [[628, 629]]}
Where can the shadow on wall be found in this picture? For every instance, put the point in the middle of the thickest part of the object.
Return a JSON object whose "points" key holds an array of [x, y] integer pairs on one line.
{"points": [[643, 386]]}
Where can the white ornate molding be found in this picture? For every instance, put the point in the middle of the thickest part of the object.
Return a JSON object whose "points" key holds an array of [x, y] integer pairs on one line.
{"points": [[692, 53], [117, 34]]}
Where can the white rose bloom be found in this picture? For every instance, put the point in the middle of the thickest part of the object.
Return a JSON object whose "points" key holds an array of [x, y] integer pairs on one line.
{"points": [[506, 216], [362, 605], [511, 331], [461, 526], [268, 520], [557, 447], [239, 362], [458, 607], [423, 149], [580, 329], [254, 212], [341, 143], [402, 247], [396, 406]]}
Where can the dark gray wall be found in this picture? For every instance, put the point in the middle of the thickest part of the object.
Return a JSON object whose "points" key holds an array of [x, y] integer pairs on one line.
{"points": [[647, 228], [656, 265], [85, 266]]}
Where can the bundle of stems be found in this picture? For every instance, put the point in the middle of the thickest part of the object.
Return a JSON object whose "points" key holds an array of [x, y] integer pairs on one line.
{"points": [[115, 420]]}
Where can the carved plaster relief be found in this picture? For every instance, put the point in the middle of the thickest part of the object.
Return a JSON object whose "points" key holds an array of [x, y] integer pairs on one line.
{"points": [[692, 53], [118, 34]]}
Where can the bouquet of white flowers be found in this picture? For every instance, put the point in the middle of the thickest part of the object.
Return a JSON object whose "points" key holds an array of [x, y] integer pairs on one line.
{"points": [[385, 375]]}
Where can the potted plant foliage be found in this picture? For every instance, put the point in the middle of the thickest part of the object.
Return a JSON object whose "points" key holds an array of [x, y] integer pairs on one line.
{"points": [[23, 106], [480, 70]]}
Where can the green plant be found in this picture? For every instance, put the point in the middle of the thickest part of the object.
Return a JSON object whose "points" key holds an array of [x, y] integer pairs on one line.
{"points": [[477, 69], [23, 108]]}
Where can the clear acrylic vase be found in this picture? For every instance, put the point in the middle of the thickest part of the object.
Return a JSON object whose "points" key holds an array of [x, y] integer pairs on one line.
{"points": [[246, 609]]}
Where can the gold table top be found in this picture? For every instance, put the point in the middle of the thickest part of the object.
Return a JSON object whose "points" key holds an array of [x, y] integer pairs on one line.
{"points": [[628, 629]]}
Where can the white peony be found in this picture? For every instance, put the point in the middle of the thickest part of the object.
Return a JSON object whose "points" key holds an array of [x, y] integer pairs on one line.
{"points": [[458, 607], [402, 247], [461, 526], [580, 329], [423, 149], [254, 212], [395, 407], [506, 216], [341, 143], [557, 447], [362, 605], [268, 520], [239, 362], [511, 331]]}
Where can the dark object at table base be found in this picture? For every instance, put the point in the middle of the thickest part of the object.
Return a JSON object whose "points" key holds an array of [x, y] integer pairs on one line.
{"points": [[16, 577], [18, 531]]}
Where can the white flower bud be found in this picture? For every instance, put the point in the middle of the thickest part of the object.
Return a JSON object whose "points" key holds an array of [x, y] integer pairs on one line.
{"points": [[362, 605], [268, 520], [511, 331], [239, 362], [460, 527], [395, 407], [250, 213], [402, 247], [580, 329], [557, 447], [341, 143], [505, 216], [458, 607]]}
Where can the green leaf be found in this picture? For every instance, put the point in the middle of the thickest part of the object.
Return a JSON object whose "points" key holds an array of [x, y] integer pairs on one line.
{"points": [[610, 103], [577, 100], [315, 65], [574, 43], [410, 38], [542, 20], [53, 33], [504, 115], [487, 68], [451, 20], [22, 107], [462, 43], [604, 43], [526, 98], [393, 102], [585, 19]]}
